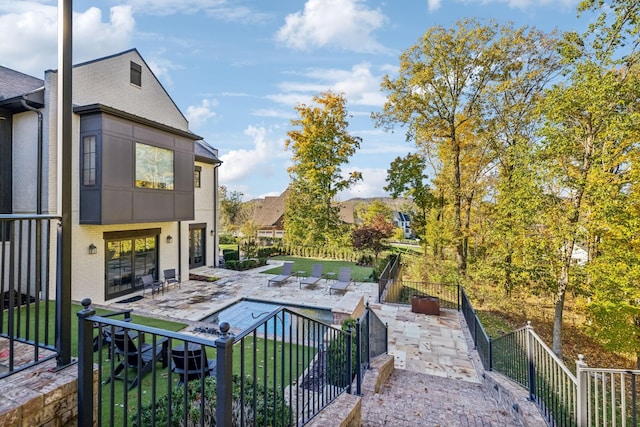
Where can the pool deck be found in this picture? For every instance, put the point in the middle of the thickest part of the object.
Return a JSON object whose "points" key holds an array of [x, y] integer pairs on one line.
{"points": [[429, 344], [437, 377]]}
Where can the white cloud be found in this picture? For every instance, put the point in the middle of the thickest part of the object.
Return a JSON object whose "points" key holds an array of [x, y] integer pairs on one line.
{"points": [[371, 185], [257, 161], [218, 9], [526, 4], [434, 5], [273, 113], [359, 84], [34, 29], [198, 114], [346, 24]]}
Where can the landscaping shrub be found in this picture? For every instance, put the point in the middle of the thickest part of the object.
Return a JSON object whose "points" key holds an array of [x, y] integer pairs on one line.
{"points": [[268, 251], [227, 239], [271, 409], [337, 356], [230, 255], [245, 264]]}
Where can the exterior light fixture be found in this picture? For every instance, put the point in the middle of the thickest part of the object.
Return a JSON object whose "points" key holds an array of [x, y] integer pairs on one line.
{"points": [[211, 232], [169, 239], [93, 249]]}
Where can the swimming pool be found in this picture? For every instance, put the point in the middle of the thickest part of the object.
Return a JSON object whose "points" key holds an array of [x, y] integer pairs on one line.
{"points": [[244, 313]]}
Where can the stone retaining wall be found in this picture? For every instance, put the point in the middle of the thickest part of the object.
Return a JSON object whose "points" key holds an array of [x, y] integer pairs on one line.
{"points": [[41, 396]]}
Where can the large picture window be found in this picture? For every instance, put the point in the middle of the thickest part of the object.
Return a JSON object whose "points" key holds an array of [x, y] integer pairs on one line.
{"points": [[154, 167]]}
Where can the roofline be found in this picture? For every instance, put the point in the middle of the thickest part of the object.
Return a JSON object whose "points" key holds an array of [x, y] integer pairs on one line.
{"points": [[145, 63], [99, 108]]}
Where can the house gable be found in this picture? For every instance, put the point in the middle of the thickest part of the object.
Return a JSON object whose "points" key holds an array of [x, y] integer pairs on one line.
{"points": [[109, 81]]}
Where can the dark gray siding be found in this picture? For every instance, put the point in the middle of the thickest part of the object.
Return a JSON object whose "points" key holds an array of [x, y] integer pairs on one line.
{"points": [[115, 199], [5, 162]]}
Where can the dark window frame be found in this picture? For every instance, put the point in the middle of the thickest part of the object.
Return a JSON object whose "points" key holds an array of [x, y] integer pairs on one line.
{"points": [[89, 161], [134, 282], [136, 74], [197, 176]]}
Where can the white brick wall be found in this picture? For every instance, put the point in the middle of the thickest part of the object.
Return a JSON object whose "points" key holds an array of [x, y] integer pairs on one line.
{"points": [[105, 82], [108, 82]]}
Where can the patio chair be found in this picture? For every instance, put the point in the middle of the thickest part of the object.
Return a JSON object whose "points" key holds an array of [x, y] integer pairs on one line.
{"points": [[148, 282], [314, 278], [285, 274], [104, 336], [191, 364], [140, 359], [171, 277], [343, 282]]}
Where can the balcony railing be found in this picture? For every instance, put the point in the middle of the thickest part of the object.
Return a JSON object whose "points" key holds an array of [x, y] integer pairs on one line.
{"points": [[281, 371], [27, 245]]}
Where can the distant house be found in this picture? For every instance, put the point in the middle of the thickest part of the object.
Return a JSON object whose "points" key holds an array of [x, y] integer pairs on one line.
{"points": [[144, 186], [403, 221], [269, 216]]}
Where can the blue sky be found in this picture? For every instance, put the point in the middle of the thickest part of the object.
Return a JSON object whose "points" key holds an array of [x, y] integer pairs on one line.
{"points": [[236, 69]]}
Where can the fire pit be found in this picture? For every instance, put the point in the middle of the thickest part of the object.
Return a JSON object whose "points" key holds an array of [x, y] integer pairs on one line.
{"points": [[425, 305]]}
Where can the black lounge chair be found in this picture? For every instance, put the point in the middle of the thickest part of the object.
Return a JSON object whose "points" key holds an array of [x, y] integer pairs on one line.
{"points": [[314, 278], [343, 282], [104, 335], [140, 358], [285, 274], [191, 364]]}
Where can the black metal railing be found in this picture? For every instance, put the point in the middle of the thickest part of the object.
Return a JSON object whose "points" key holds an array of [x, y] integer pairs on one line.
{"points": [[401, 292], [26, 274], [371, 340], [481, 340], [281, 371], [389, 276]]}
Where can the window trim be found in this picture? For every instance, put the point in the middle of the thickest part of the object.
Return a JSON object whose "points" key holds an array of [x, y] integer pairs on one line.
{"points": [[93, 158], [197, 177], [135, 75], [157, 183]]}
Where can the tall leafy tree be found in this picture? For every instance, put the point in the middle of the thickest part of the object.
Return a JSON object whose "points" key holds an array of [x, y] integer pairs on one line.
{"points": [[321, 145], [614, 213], [512, 121], [230, 207], [439, 91], [590, 128], [406, 177]]}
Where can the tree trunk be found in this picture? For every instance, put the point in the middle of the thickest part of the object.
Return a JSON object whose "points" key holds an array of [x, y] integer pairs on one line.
{"points": [[559, 309], [461, 256]]}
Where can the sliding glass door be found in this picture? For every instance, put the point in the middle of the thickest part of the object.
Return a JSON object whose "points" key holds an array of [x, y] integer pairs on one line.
{"points": [[128, 259]]}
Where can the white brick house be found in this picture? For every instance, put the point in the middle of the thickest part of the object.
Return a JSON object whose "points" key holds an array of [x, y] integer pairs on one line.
{"points": [[144, 186]]}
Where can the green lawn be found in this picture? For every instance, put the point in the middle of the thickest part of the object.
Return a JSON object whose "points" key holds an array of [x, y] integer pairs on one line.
{"points": [[358, 273]]}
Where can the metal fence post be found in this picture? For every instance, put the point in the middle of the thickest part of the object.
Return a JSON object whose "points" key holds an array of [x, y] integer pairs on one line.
{"points": [[358, 357], [490, 354], [386, 338], [582, 393], [85, 365], [531, 368], [348, 370], [224, 374]]}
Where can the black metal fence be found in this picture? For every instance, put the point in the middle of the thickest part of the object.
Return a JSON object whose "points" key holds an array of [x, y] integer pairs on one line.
{"points": [[389, 276], [401, 292], [371, 340], [26, 250], [281, 371]]}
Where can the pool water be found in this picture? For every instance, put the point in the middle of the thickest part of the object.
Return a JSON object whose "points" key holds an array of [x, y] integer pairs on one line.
{"points": [[245, 313]]}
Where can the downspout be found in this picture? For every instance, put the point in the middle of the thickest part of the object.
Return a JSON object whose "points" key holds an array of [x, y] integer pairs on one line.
{"points": [[39, 167], [216, 249], [180, 249]]}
